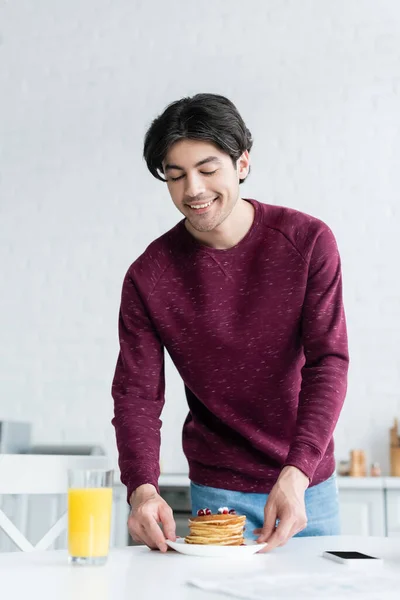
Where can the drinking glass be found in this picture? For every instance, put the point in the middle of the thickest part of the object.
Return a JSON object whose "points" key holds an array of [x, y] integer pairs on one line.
{"points": [[89, 515]]}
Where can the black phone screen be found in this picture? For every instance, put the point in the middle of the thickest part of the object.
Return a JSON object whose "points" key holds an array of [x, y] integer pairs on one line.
{"points": [[351, 555]]}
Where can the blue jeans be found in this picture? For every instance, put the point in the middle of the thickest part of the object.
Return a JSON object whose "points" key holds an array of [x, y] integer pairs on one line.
{"points": [[322, 506]]}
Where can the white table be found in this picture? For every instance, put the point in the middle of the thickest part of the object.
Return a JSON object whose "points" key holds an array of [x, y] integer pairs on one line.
{"points": [[137, 573]]}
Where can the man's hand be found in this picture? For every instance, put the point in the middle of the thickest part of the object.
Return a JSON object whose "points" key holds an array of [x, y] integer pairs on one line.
{"points": [[148, 510], [286, 503]]}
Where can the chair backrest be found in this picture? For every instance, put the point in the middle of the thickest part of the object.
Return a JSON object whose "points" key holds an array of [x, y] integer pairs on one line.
{"points": [[22, 474]]}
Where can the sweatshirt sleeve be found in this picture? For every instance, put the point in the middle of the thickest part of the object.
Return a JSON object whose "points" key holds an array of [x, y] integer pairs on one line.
{"points": [[324, 374], [138, 391]]}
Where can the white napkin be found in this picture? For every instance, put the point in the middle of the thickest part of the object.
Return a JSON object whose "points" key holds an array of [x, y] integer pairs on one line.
{"points": [[360, 586]]}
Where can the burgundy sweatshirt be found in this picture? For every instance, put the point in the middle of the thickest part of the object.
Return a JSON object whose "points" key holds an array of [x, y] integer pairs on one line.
{"points": [[258, 334]]}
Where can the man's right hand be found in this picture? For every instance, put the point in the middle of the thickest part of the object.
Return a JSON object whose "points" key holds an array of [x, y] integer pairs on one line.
{"points": [[148, 510]]}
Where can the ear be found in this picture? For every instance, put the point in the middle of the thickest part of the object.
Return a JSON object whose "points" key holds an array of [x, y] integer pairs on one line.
{"points": [[243, 165]]}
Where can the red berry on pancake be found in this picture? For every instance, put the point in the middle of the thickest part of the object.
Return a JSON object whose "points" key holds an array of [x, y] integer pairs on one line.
{"points": [[223, 510]]}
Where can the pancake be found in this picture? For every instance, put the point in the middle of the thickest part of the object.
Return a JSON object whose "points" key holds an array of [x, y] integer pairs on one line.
{"points": [[216, 530]]}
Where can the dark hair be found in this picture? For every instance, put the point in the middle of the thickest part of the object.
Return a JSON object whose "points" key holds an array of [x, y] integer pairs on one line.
{"points": [[208, 117]]}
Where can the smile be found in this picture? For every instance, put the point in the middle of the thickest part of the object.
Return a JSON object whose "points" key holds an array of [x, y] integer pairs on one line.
{"points": [[199, 206]]}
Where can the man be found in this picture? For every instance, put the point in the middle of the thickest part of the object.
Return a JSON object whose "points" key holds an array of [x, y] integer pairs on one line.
{"points": [[246, 298]]}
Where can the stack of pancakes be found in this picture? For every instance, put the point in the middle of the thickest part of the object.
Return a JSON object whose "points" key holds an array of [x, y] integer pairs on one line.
{"points": [[216, 530]]}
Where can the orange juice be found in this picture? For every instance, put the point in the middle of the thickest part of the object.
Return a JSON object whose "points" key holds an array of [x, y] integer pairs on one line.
{"points": [[89, 521]]}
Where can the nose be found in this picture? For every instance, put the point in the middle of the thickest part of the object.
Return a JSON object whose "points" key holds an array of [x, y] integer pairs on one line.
{"points": [[194, 185]]}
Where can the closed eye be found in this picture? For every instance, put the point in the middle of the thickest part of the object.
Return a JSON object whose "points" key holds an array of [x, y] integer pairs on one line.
{"points": [[208, 173]]}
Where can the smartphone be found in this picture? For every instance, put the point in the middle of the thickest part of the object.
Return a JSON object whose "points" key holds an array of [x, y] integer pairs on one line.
{"points": [[351, 557]]}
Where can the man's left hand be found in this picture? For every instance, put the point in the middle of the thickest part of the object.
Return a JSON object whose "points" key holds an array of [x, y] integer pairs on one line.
{"points": [[286, 503]]}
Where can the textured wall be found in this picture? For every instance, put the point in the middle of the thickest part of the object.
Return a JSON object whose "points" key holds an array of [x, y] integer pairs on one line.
{"points": [[317, 82]]}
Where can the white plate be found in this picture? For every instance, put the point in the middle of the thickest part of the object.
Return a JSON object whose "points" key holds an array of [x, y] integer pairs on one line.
{"points": [[250, 547]]}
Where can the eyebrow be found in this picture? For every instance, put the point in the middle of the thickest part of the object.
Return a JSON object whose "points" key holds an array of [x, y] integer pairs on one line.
{"points": [[209, 159]]}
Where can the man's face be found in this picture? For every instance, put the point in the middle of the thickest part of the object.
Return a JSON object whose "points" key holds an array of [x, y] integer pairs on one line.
{"points": [[203, 182]]}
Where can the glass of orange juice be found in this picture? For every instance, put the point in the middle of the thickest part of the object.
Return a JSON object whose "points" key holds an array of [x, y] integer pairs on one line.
{"points": [[89, 515]]}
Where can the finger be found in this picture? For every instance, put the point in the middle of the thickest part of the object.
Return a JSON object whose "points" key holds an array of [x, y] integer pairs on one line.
{"points": [[137, 538], [154, 534], [138, 535], [147, 540], [293, 532], [296, 529], [168, 523], [269, 523], [134, 532], [301, 527], [280, 535], [263, 550], [257, 532]]}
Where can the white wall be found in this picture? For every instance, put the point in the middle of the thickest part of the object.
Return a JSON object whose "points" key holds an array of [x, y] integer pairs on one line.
{"points": [[318, 84]]}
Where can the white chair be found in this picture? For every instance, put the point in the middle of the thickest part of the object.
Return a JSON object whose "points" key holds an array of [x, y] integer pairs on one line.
{"points": [[22, 474]]}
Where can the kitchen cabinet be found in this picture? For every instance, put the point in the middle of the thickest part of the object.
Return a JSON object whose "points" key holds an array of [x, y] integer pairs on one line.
{"points": [[393, 507], [362, 512]]}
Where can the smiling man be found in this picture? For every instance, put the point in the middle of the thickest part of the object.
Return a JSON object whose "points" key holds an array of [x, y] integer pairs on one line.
{"points": [[246, 297], [208, 204]]}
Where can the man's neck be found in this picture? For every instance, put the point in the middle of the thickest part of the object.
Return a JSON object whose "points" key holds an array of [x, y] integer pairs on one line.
{"points": [[231, 231]]}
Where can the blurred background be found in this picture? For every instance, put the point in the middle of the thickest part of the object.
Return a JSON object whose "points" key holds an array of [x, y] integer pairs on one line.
{"points": [[318, 85]]}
